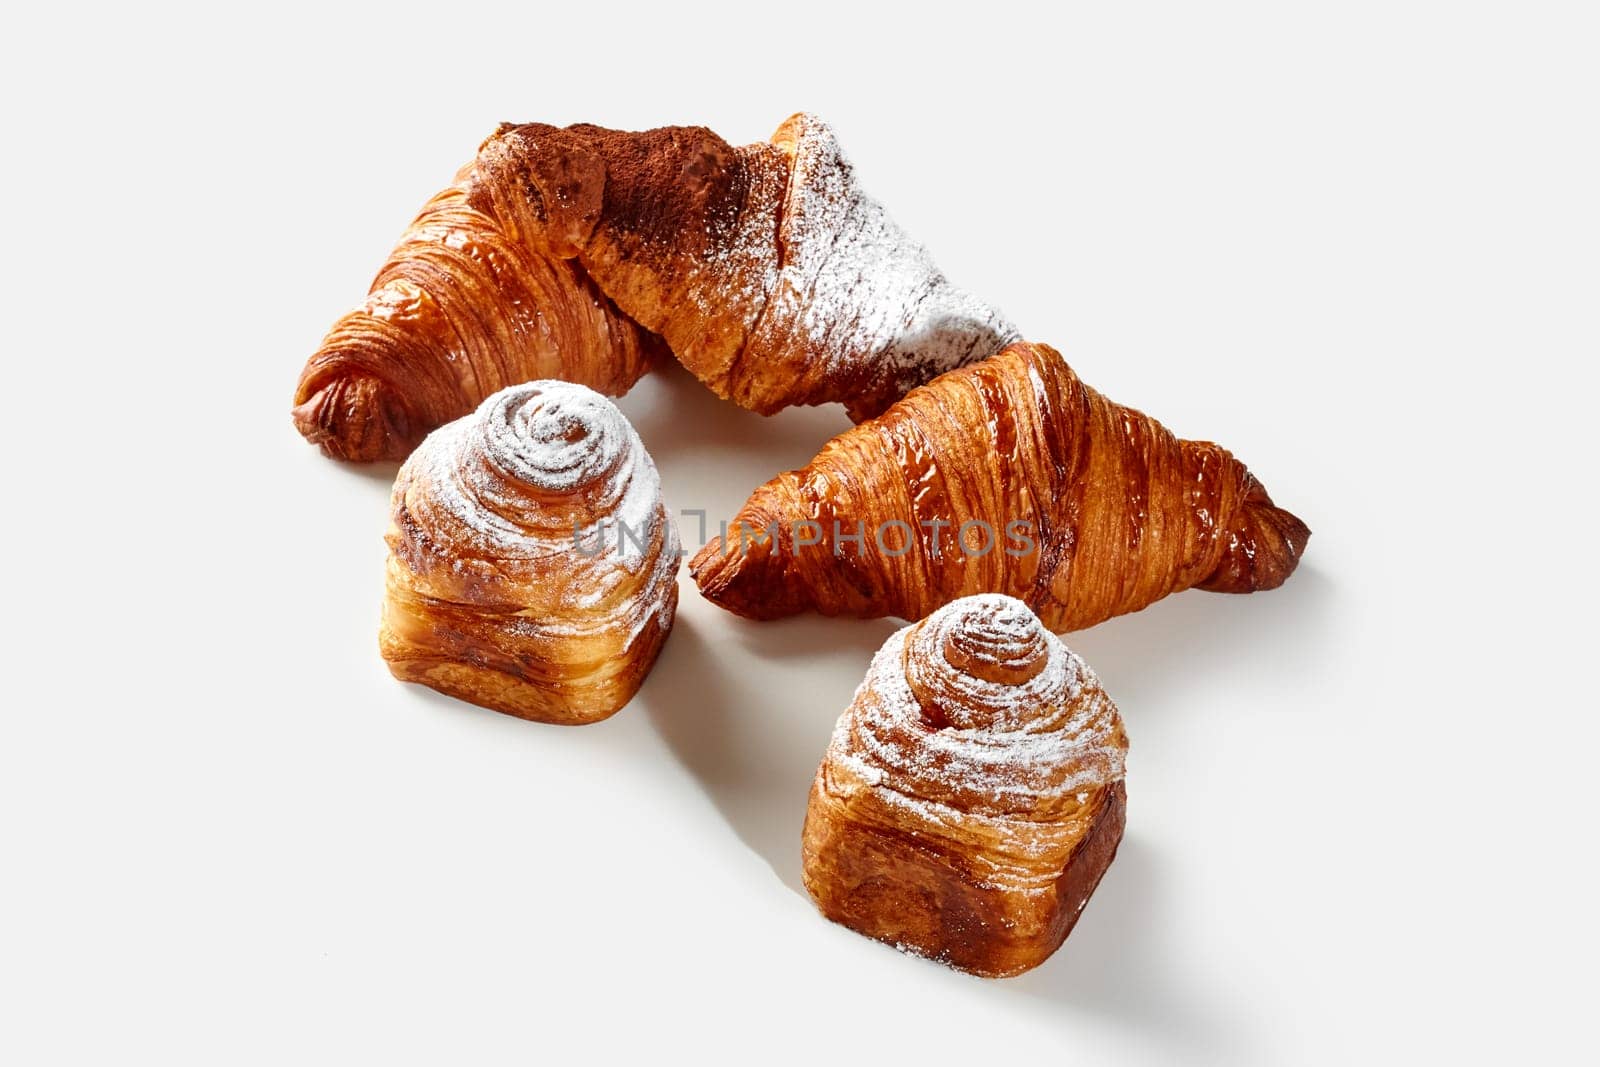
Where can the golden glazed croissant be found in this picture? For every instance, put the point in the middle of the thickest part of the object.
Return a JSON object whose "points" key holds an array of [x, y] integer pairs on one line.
{"points": [[1010, 476], [764, 267], [532, 564], [971, 797], [461, 310]]}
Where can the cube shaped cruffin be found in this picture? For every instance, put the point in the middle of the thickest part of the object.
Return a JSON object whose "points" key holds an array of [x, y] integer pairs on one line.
{"points": [[972, 795], [532, 564]]}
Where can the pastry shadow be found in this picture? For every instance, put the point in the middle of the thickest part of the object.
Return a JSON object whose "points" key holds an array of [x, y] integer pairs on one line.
{"points": [[621, 736], [676, 414], [1117, 963], [753, 755], [381, 472], [1149, 658]]}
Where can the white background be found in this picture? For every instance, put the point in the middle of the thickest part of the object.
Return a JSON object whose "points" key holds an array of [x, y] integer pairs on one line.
{"points": [[1357, 243]]}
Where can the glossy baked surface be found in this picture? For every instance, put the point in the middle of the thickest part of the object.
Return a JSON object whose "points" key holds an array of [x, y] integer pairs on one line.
{"points": [[1115, 512]]}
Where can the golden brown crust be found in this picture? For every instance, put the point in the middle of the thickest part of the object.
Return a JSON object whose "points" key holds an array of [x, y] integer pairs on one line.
{"points": [[971, 797], [486, 657], [1116, 511], [460, 311], [894, 888], [510, 582]]}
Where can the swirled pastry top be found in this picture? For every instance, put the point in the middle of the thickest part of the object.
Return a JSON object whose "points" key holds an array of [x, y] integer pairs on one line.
{"points": [[980, 725], [546, 482]]}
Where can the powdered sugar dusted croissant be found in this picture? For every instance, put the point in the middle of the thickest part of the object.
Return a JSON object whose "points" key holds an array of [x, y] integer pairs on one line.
{"points": [[971, 797], [1010, 476], [532, 564], [768, 271], [460, 310]]}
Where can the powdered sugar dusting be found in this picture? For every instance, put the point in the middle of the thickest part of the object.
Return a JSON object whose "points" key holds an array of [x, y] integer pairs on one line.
{"points": [[871, 292], [546, 483], [843, 284], [542, 467], [927, 732]]}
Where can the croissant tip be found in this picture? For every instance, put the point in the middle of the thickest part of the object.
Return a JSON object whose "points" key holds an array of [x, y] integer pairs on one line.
{"points": [[714, 571], [705, 558], [356, 419], [749, 581], [1264, 549]]}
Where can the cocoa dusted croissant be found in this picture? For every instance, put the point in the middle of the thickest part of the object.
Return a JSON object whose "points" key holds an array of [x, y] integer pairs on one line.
{"points": [[769, 273], [971, 797], [1010, 476], [765, 268], [461, 310], [532, 564]]}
